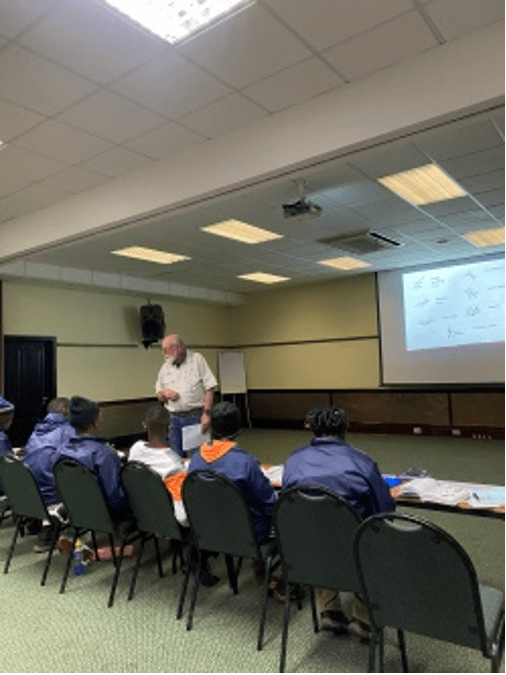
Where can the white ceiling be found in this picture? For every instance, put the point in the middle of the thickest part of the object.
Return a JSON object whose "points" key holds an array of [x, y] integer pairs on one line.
{"points": [[85, 98]]}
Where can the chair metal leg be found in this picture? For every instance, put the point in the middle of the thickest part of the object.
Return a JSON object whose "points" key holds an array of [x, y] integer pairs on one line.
{"points": [[12, 546], [136, 568], [190, 561], [158, 557], [298, 595], [497, 648], [54, 539], [232, 576], [313, 608], [381, 650], [118, 561], [373, 641], [284, 635], [263, 615], [402, 648], [95, 547], [189, 622], [69, 561], [113, 552]]}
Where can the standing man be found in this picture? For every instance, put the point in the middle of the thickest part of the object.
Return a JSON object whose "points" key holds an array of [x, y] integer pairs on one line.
{"points": [[185, 385]]}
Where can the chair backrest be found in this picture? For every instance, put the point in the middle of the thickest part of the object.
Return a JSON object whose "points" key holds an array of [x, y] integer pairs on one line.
{"points": [[21, 488], [315, 530], [218, 515], [417, 577], [150, 501], [82, 496]]}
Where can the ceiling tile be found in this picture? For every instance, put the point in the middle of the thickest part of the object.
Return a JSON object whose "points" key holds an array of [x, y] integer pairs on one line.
{"points": [[14, 120], [382, 46], [399, 157], [324, 23], [165, 140], [170, 85], [247, 47], [475, 163], [484, 182], [35, 83], [293, 85], [461, 140], [110, 116], [92, 40], [17, 16], [117, 161], [62, 142], [19, 168], [222, 116], [491, 197], [75, 179], [458, 205], [28, 199], [459, 17]]}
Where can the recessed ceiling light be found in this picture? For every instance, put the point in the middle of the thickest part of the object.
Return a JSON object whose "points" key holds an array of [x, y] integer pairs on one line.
{"points": [[263, 278], [235, 229], [345, 263], [174, 20], [423, 185], [483, 238], [150, 254]]}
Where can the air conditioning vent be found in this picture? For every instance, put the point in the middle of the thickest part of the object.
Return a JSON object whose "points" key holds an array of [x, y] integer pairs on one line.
{"points": [[362, 243]]}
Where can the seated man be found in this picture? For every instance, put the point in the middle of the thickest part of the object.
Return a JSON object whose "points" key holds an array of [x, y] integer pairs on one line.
{"points": [[328, 461], [90, 451], [6, 419], [224, 456], [156, 454]]}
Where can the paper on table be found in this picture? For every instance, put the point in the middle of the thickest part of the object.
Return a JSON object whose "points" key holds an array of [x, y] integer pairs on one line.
{"points": [[193, 437], [273, 473], [487, 497], [437, 491]]}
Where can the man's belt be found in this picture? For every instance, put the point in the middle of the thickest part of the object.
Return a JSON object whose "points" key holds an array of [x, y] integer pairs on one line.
{"points": [[185, 413]]}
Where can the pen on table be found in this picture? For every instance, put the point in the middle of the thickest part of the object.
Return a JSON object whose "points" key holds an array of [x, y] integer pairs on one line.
{"points": [[476, 496]]}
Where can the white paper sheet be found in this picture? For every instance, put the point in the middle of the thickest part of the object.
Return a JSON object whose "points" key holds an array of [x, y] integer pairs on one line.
{"points": [[193, 437]]}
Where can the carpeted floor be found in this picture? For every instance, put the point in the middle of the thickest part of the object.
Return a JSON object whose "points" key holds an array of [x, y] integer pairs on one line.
{"points": [[43, 631]]}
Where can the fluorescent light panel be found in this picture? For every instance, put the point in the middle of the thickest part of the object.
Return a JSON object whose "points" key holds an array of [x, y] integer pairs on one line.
{"points": [[344, 263], [263, 278], [423, 185], [247, 234], [150, 255], [174, 20], [494, 236]]}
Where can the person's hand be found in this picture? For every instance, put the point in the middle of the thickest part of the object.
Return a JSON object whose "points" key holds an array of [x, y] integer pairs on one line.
{"points": [[167, 395], [205, 422]]}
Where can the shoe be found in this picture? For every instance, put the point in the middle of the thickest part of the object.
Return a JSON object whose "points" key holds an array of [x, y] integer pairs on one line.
{"points": [[44, 539], [277, 590], [207, 578], [360, 628], [335, 621]]}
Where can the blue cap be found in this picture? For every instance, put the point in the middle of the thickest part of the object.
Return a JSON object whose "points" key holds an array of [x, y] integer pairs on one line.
{"points": [[5, 405]]}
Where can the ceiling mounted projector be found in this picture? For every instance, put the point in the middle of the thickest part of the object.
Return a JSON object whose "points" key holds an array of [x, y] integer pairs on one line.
{"points": [[302, 208]]}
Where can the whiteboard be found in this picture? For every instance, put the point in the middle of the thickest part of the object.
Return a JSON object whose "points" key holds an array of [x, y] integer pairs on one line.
{"points": [[232, 373]]}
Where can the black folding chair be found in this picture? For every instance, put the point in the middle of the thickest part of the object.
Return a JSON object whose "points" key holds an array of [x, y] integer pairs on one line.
{"points": [[220, 522], [153, 510], [88, 512], [315, 530], [26, 502], [416, 577]]}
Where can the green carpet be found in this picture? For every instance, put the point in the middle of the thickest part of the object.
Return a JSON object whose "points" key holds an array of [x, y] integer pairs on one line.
{"points": [[43, 631]]}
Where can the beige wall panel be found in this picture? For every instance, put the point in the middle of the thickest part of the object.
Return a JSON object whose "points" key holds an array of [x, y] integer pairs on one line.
{"points": [[329, 365], [338, 308]]}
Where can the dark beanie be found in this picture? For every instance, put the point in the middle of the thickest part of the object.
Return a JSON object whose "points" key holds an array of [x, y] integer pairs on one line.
{"points": [[83, 412]]}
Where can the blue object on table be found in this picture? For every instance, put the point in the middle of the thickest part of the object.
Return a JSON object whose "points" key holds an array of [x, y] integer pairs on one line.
{"points": [[391, 481]]}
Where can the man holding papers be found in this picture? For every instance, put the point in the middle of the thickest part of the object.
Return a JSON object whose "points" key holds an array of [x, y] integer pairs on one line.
{"points": [[185, 385]]}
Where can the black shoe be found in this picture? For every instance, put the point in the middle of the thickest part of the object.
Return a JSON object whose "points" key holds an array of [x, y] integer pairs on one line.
{"points": [[207, 578], [44, 540]]}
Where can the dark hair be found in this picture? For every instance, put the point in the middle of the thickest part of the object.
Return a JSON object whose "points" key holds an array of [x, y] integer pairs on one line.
{"points": [[83, 412], [225, 420], [327, 422], [157, 413], [58, 405]]}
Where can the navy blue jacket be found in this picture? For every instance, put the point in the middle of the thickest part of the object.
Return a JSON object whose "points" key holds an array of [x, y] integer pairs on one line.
{"points": [[244, 470], [92, 453], [40, 452], [345, 471], [5, 444]]}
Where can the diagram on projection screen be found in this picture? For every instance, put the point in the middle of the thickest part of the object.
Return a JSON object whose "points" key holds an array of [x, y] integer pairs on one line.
{"points": [[451, 306]]}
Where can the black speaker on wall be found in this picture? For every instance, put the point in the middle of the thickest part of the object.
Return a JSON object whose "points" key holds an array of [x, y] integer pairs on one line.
{"points": [[152, 324]]}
